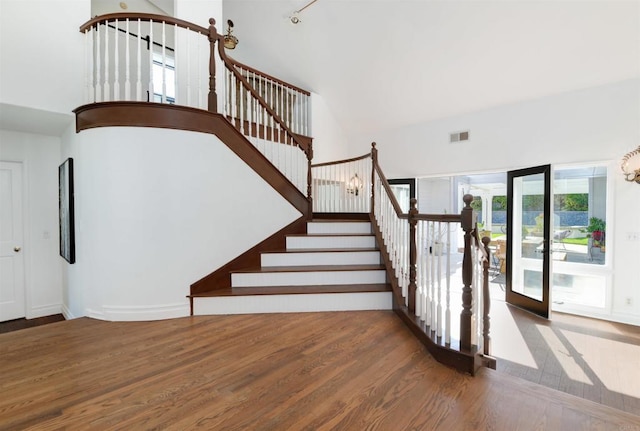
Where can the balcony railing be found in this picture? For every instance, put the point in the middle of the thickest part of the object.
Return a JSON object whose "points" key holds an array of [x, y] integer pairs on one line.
{"points": [[146, 58]]}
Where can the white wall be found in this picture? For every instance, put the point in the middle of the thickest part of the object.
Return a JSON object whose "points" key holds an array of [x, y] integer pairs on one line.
{"points": [[42, 53], [592, 125], [40, 157], [157, 210], [329, 139]]}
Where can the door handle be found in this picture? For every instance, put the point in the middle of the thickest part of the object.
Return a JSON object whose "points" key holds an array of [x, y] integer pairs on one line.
{"points": [[17, 249]]}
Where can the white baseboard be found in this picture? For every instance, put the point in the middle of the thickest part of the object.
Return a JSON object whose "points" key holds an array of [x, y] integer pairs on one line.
{"points": [[251, 304], [44, 310], [142, 313], [67, 313]]}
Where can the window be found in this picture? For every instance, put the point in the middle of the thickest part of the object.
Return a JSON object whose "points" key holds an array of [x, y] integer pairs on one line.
{"points": [[164, 77]]}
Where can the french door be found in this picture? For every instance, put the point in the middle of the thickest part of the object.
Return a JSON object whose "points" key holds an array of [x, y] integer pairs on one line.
{"points": [[528, 234]]}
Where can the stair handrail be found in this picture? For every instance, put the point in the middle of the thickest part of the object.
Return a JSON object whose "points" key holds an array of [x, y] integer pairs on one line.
{"points": [[397, 235], [111, 91], [266, 75]]}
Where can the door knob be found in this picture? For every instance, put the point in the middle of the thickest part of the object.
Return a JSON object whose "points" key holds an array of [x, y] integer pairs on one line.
{"points": [[16, 249]]}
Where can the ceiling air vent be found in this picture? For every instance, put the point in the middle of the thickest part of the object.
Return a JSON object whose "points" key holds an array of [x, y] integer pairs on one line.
{"points": [[459, 136]]}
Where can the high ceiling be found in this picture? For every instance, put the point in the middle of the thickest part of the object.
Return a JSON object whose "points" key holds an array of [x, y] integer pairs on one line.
{"points": [[383, 64]]}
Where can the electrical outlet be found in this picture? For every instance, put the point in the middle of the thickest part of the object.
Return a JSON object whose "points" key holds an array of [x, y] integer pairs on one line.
{"points": [[633, 236], [628, 301]]}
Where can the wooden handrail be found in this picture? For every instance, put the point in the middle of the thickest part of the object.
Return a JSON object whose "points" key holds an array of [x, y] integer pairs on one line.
{"points": [[265, 75], [143, 17], [229, 65], [392, 196], [339, 162]]}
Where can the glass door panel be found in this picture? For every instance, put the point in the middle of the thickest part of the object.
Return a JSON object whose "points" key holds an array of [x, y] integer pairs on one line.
{"points": [[528, 231]]}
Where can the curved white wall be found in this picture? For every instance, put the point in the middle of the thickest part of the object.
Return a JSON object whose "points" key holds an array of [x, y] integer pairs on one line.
{"points": [[156, 210]]}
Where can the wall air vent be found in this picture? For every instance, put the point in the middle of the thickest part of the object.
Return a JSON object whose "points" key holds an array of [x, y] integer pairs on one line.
{"points": [[459, 136]]}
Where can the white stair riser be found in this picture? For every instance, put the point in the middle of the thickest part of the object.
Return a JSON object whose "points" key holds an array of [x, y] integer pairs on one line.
{"points": [[293, 303], [321, 258], [330, 242], [307, 278], [338, 227]]}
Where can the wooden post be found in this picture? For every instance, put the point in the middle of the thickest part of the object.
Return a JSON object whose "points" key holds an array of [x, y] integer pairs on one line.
{"points": [[486, 299], [213, 97], [374, 163], [467, 222], [413, 255], [309, 178]]}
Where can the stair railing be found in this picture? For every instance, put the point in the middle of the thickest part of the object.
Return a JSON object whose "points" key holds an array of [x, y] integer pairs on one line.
{"points": [[432, 280], [138, 57], [292, 104], [343, 186]]}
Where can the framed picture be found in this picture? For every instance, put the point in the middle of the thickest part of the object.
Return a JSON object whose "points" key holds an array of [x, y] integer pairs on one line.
{"points": [[67, 222]]}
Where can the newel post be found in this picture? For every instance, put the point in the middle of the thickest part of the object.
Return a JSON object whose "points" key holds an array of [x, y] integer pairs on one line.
{"points": [[374, 163], [413, 254], [467, 221], [309, 177], [486, 299], [213, 97]]}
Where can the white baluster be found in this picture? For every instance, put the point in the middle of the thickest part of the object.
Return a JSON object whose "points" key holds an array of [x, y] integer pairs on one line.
{"points": [[107, 87], [150, 96], [88, 48], [439, 305], [163, 99], [116, 64], [199, 54], [127, 55], [176, 52], [447, 313], [98, 64], [139, 65]]}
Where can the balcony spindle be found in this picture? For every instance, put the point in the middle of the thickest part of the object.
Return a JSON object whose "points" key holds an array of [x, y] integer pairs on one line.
{"points": [[106, 89], [139, 65], [127, 59], [116, 61]]}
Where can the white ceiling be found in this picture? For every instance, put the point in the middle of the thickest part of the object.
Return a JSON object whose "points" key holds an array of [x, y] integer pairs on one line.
{"points": [[382, 64]]}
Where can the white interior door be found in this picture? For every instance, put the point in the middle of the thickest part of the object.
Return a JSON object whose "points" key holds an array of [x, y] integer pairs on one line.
{"points": [[12, 294]]}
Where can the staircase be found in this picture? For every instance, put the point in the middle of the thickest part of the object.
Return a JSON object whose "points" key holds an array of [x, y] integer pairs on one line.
{"points": [[335, 266]]}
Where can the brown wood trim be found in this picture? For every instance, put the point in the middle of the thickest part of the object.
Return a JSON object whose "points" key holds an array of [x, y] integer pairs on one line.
{"points": [[228, 64], [386, 260], [142, 17], [392, 197], [265, 75], [446, 218], [145, 114], [221, 278], [338, 162], [461, 361], [294, 290], [270, 133], [342, 216]]}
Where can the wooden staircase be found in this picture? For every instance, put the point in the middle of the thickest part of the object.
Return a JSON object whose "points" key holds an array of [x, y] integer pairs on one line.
{"points": [[335, 266]]}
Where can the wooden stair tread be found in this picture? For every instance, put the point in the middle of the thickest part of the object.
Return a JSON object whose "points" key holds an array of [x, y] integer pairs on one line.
{"points": [[294, 290], [346, 220], [311, 268], [325, 250], [314, 235]]}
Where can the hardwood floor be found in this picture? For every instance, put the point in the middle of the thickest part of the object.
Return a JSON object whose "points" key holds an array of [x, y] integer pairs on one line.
{"points": [[309, 371], [17, 324], [589, 358]]}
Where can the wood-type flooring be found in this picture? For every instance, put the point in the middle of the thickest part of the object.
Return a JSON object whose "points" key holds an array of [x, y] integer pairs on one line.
{"points": [[308, 371]]}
